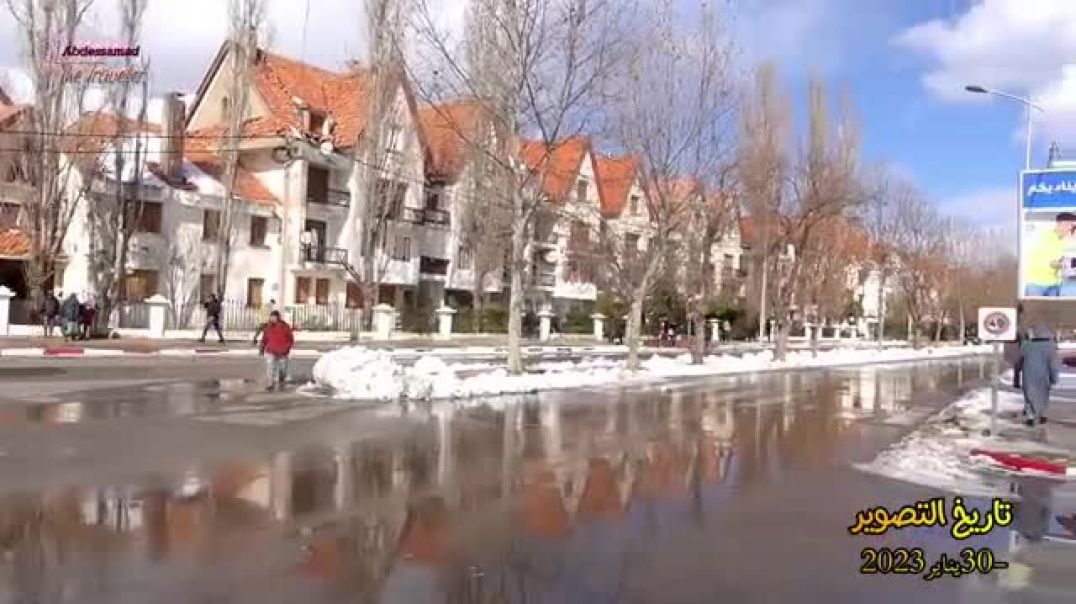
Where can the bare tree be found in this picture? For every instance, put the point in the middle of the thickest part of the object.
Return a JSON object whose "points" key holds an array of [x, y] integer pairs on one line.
{"points": [[49, 163], [879, 222], [919, 238], [549, 60], [674, 119], [246, 18], [763, 170], [824, 185], [114, 213], [181, 262]]}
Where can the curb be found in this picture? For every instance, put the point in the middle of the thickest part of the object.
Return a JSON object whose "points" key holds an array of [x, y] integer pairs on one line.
{"points": [[1020, 462]]}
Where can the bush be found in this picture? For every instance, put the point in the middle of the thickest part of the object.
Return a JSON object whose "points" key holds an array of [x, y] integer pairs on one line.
{"points": [[418, 319], [494, 320], [578, 321]]}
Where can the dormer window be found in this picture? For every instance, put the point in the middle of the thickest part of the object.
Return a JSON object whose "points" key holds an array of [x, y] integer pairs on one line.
{"points": [[317, 121], [581, 190]]}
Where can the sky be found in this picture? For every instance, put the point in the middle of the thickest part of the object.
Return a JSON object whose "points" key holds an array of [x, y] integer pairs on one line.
{"points": [[904, 62]]}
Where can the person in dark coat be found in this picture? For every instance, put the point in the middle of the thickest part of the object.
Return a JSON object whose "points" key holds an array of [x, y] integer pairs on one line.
{"points": [[212, 317], [1041, 371], [70, 312], [50, 313]]}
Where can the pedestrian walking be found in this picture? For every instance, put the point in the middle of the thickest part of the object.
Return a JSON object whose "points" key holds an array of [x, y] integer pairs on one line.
{"points": [[50, 312], [1041, 368], [277, 340], [70, 312], [212, 317], [263, 317], [89, 313]]}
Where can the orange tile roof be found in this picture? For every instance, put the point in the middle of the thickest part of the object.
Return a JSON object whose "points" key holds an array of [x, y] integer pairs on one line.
{"points": [[247, 186], [560, 161], [447, 127], [615, 175], [94, 129], [601, 494], [13, 243]]}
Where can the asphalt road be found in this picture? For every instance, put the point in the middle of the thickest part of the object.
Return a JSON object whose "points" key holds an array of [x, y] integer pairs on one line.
{"points": [[172, 480]]}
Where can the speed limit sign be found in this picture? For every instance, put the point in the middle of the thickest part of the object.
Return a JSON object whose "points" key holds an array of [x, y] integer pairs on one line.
{"points": [[997, 324]]}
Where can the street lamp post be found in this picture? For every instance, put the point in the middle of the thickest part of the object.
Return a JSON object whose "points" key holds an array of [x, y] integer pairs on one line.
{"points": [[1028, 106]]}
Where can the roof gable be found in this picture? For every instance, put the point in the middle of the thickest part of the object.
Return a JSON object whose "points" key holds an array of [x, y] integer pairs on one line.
{"points": [[558, 162], [615, 178], [446, 128]]}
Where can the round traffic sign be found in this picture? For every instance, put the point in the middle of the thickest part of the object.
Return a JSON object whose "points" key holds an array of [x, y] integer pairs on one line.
{"points": [[996, 323]]}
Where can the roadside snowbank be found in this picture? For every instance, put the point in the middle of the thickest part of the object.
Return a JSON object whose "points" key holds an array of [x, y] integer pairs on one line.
{"points": [[363, 374], [938, 454]]}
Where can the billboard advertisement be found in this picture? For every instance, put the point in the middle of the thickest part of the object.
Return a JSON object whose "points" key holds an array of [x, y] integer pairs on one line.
{"points": [[1048, 234]]}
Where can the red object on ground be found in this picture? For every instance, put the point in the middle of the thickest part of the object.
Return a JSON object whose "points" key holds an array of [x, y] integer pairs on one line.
{"points": [[1022, 462], [61, 350]]}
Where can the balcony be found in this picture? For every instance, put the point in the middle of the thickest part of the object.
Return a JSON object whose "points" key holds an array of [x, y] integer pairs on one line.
{"points": [[435, 216], [330, 197], [413, 215], [432, 266], [322, 255]]}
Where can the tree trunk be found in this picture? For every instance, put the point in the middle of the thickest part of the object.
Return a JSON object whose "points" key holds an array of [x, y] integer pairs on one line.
{"points": [[515, 295], [881, 311], [780, 350], [477, 303], [963, 325], [698, 351], [814, 340], [633, 332], [938, 328]]}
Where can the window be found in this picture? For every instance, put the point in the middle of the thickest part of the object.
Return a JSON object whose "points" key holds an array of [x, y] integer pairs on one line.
{"points": [[633, 204], [302, 290], [579, 237], [210, 225], [225, 109], [254, 292], [581, 190], [317, 120], [207, 284], [139, 285], [464, 258], [317, 185], [395, 136], [401, 250], [631, 243], [321, 292], [9, 215], [148, 217], [354, 295], [433, 197], [258, 227], [390, 195]]}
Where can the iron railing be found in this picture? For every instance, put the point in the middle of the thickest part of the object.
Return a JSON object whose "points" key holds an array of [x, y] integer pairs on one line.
{"points": [[436, 216], [322, 254], [332, 197]]}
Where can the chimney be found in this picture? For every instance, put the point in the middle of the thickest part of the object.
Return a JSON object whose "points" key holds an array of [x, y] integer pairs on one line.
{"points": [[174, 126]]}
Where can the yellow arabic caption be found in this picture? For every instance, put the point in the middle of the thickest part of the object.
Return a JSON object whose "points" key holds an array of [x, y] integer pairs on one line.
{"points": [[965, 522]]}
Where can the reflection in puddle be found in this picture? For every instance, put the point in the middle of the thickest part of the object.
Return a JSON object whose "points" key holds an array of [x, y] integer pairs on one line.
{"points": [[554, 499]]}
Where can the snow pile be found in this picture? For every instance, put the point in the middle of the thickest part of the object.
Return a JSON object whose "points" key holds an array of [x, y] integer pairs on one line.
{"points": [[360, 373], [938, 454]]}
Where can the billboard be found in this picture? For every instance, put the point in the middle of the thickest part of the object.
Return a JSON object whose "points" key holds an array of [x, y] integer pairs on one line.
{"points": [[1047, 242]]}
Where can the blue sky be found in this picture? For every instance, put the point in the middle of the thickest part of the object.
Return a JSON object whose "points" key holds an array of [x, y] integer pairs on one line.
{"points": [[905, 63]]}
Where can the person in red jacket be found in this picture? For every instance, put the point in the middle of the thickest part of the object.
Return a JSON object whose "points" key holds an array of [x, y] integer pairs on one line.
{"points": [[277, 340]]}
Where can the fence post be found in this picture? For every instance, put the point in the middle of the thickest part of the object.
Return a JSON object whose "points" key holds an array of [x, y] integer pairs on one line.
{"points": [[599, 326], [158, 312], [444, 321], [5, 310], [384, 321], [545, 320]]}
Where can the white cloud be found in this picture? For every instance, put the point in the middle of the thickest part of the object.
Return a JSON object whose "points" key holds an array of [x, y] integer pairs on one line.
{"points": [[1023, 47], [992, 209], [787, 33]]}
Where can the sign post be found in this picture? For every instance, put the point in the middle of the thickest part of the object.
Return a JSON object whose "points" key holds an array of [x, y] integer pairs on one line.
{"points": [[996, 325]]}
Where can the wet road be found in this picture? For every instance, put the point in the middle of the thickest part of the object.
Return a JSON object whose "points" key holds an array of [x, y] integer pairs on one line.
{"points": [[155, 488]]}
